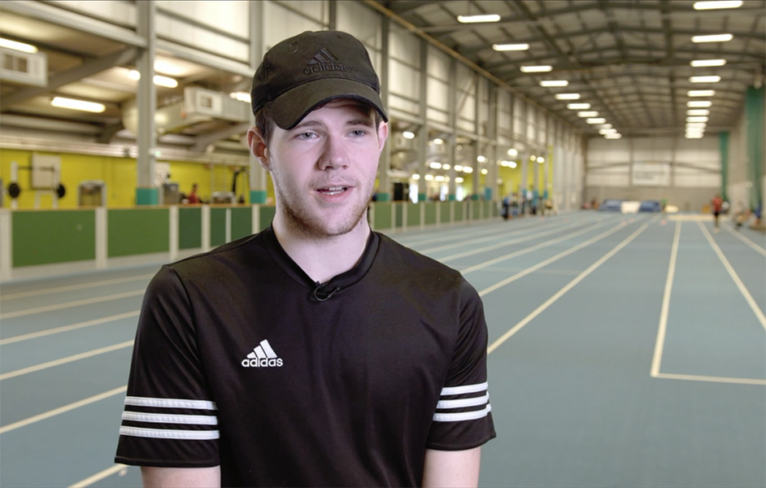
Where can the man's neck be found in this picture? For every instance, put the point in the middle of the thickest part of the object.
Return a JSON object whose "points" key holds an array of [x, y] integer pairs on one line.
{"points": [[322, 258]]}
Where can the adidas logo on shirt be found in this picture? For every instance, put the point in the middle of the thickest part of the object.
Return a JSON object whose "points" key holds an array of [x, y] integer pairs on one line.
{"points": [[263, 356], [324, 60]]}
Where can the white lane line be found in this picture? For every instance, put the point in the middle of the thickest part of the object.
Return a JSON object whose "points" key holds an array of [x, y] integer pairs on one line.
{"points": [[502, 244], [61, 306], [68, 359], [564, 290], [494, 236], [746, 240], [712, 379], [550, 260], [526, 250], [66, 328], [741, 286], [64, 409], [99, 476], [81, 286], [659, 344]]}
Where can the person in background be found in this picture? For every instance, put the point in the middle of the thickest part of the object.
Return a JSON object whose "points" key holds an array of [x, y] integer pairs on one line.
{"points": [[193, 197], [716, 204], [316, 352]]}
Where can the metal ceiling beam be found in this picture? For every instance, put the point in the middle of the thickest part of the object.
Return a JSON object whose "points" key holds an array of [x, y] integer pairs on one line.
{"points": [[203, 141], [89, 68], [205, 59], [81, 23]]}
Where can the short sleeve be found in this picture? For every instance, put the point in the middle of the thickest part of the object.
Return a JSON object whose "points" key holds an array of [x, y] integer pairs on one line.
{"points": [[169, 419], [463, 418]]}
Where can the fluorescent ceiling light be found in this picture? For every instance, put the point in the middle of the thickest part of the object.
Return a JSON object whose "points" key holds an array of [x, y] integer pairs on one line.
{"points": [[241, 96], [567, 96], [429, 177], [73, 104], [590, 113], [469, 19], [699, 104], [605, 126], [458, 167], [541, 160], [613, 136], [696, 119], [513, 152], [578, 106], [713, 38], [607, 131], [699, 63], [167, 68], [553, 83], [439, 178], [694, 136], [701, 111], [408, 134], [535, 69], [510, 47], [445, 166], [484, 171], [467, 169], [17, 46], [597, 120], [705, 79], [481, 159], [718, 4], [701, 93], [695, 125], [415, 176], [459, 179], [438, 141], [435, 165], [158, 79]]}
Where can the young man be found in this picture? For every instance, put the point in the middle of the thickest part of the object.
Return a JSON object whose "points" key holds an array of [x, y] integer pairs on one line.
{"points": [[316, 352]]}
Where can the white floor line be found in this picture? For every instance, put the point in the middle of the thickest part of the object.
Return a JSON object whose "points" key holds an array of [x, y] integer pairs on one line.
{"points": [[746, 240], [494, 235], [99, 476], [659, 344], [548, 261], [504, 243], [741, 286], [711, 379], [62, 306], [64, 409], [564, 290], [68, 359], [526, 250], [81, 286], [67, 328]]}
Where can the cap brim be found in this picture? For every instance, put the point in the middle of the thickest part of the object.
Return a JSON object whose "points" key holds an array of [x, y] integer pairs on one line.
{"points": [[290, 107]]}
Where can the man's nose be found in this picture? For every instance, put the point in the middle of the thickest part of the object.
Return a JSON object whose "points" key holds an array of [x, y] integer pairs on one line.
{"points": [[335, 154]]}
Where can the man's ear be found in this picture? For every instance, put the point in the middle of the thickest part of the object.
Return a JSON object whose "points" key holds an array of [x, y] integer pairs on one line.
{"points": [[258, 147], [382, 135]]}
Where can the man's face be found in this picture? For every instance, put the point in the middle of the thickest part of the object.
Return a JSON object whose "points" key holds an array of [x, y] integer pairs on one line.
{"points": [[324, 168]]}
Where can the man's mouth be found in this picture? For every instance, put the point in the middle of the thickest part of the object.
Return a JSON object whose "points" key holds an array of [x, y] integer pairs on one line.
{"points": [[332, 190]]}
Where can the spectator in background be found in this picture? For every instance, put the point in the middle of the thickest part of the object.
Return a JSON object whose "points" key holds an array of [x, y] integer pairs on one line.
{"points": [[717, 204], [193, 197]]}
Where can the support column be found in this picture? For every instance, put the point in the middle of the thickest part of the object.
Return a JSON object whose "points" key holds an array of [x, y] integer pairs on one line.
{"points": [[423, 133], [723, 149], [754, 119], [258, 175], [493, 173], [146, 103], [477, 94], [452, 94], [384, 165]]}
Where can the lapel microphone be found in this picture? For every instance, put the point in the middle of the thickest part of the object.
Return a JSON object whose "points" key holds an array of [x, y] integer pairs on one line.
{"points": [[321, 293]]}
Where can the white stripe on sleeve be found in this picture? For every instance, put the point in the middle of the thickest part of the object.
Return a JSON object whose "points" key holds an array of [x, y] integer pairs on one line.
{"points": [[200, 435], [457, 417], [170, 403], [459, 390], [160, 418], [464, 402]]}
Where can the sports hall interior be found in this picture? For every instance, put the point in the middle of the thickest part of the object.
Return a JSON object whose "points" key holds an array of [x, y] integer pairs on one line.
{"points": [[564, 155]]}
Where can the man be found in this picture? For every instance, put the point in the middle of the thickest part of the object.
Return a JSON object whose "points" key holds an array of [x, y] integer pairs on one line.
{"points": [[717, 204], [193, 197], [317, 352]]}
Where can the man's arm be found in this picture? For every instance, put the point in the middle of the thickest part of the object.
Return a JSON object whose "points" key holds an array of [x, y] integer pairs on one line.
{"points": [[181, 477], [447, 469]]}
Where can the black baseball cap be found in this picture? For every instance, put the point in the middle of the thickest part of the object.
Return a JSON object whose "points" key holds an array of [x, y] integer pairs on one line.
{"points": [[310, 69]]}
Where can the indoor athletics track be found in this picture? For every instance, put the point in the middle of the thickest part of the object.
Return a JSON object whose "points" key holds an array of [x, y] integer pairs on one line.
{"points": [[625, 351]]}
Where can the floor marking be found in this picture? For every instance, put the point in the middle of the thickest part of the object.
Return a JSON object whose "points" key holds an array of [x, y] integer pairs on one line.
{"points": [[742, 288], [548, 261], [711, 379], [746, 240], [61, 306], [659, 344], [493, 237], [81, 286], [692, 217], [64, 409], [565, 289], [67, 328], [68, 359], [525, 250], [99, 476]]}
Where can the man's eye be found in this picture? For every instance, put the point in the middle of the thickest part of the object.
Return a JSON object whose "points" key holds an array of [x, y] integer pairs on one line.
{"points": [[306, 135], [358, 132]]}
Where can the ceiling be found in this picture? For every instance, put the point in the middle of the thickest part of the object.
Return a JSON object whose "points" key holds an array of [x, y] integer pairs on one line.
{"points": [[630, 60]]}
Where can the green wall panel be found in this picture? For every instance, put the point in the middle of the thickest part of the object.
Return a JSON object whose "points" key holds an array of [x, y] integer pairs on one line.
{"points": [[476, 210], [217, 226], [459, 211], [266, 216], [241, 222], [57, 236], [399, 215], [137, 231], [189, 228], [382, 211], [413, 214], [430, 213], [444, 217]]}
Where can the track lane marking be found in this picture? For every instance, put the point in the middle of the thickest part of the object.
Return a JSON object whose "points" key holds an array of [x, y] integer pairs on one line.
{"points": [[711, 379], [520, 325], [67, 328], [81, 286], [77, 303], [659, 344], [746, 240], [68, 359]]}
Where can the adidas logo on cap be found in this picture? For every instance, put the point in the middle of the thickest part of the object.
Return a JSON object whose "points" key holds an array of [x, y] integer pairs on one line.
{"points": [[263, 356], [324, 60]]}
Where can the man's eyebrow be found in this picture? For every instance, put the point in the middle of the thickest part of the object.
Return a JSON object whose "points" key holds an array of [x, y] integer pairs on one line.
{"points": [[367, 121]]}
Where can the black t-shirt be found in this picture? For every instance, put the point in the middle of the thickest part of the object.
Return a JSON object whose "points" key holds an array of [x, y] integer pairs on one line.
{"points": [[241, 362]]}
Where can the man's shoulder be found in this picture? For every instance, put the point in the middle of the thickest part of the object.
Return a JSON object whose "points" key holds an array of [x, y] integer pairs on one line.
{"points": [[409, 260], [237, 252]]}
